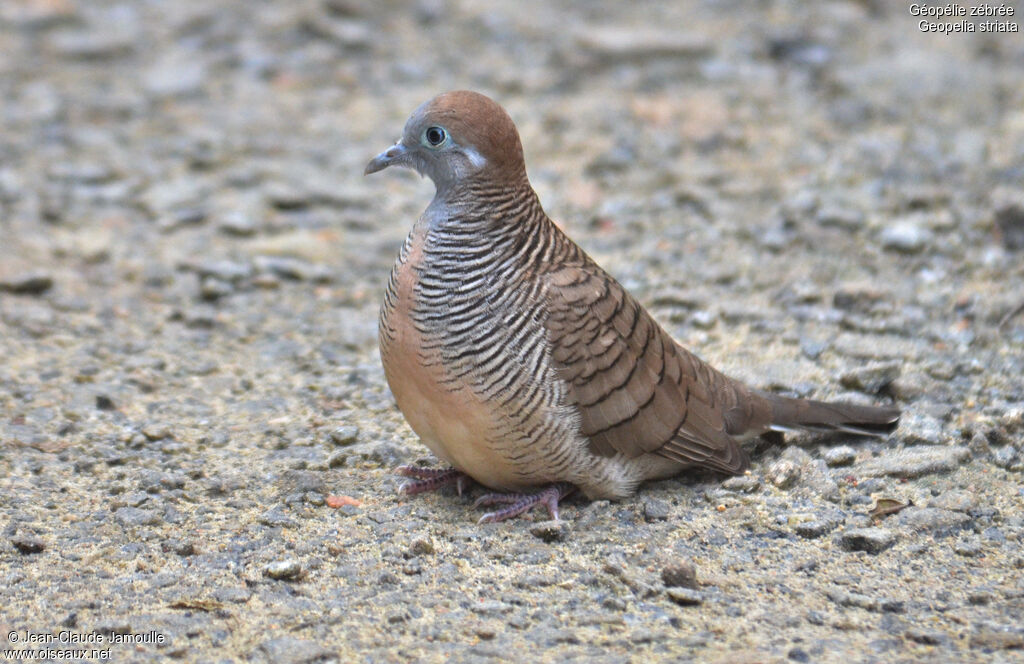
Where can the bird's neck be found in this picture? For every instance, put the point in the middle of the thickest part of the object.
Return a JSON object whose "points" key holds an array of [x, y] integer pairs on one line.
{"points": [[485, 209]]}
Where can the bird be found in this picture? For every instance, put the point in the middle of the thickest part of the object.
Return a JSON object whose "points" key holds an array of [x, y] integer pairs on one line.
{"points": [[523, 365]]}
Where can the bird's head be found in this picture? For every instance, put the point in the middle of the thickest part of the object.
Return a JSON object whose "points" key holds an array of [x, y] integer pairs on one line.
{"points": [[457, 137]]}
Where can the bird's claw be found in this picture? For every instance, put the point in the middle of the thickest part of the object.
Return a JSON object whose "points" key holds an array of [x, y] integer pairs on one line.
{"points": [[430, 479], [520, 503]]}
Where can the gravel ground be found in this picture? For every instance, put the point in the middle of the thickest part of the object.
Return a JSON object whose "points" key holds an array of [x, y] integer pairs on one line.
{"points": [[195, 433]]}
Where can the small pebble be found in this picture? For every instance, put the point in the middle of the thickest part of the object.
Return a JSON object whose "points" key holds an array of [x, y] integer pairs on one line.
{"points": [[28, 283], [969, 548], [656, 510], [135, 516], [906, 236], [980, 598], [1009, 216], [685, 596], [28, 544], [783, 473], [933, 520], [835, 457], [872, 378], [550, 531], [283, 569], [1005, 457], [814, 529], [914, 462], [846, 218], [924, 636], [679, 575], [237, 224], [955, 500], [156, 431], [871, 540], [345, 435], [742, 483], [422, 546]]}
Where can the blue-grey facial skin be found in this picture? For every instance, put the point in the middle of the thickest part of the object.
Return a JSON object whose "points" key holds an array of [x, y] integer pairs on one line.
{"points": [[446, 163]]}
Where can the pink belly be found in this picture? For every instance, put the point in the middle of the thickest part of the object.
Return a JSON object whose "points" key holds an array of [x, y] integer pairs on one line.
{"points": [[452, 421]]}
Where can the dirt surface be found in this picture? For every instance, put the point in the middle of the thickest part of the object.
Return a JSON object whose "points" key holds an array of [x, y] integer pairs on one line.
{"points": [[819, 198]]}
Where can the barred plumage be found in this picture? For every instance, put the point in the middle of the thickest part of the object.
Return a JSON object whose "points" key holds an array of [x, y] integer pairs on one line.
{"points": [[520, 362]]}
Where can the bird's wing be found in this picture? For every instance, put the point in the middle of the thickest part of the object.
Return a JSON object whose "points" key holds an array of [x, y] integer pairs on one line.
{"points": [[637, 391]]}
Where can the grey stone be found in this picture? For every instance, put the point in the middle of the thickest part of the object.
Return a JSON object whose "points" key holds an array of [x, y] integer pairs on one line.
{"points": [[969, 548], [28, 544], [1005, 457], [95, 44], [871, 378], [680, 574], [224, 270], [347, 33], [814, 529], [813, 473], [1008, 211], [35, 282], [286, 195], [922, 429], [287, 267], [914, 462], [997, 637], [906, 235], [232, 594], [858, 600], [656, 510], [283, 569], [550, 531], [956, 500], [237, 224], [840, 456], [844, 217], [813, 348], [345, 435], [290, 650], [276, 517], [134, 516], [156, 430], [182, 193], [301, 481], [685, 596], [871, 540], [742, 484], [422, 546], [934, 520], [928, 637], [783, 473], [619, 43], [180, 547], [175, 75], [212, 289]]}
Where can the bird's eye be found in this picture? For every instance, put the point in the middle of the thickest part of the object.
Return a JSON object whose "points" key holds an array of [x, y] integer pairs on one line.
{"points": [[435, 136]]}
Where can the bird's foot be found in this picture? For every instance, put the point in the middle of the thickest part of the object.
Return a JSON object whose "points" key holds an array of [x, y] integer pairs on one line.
{"points": [[430, 479], [518, 503]]}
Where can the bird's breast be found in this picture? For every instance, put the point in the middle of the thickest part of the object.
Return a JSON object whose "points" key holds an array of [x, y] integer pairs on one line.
{"points": [[441, 407]]}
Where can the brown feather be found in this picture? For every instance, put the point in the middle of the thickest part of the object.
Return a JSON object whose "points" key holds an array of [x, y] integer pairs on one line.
{"points": [[660, 406]]}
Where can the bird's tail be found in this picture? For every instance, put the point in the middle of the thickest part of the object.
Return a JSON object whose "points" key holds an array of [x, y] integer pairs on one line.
{"points": [[790, 414]]}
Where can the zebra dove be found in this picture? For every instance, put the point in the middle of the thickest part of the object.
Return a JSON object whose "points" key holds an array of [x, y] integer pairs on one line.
{"points": [[524, 365]]}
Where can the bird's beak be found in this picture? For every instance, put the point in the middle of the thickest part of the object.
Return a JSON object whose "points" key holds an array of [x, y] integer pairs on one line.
{"points": [[396, 154]]}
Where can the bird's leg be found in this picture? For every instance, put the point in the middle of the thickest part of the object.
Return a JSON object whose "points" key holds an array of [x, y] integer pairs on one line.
{"points": [[431, 479], [519, 503]]}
